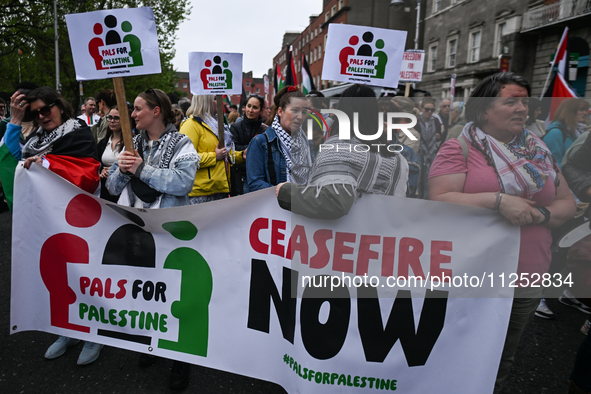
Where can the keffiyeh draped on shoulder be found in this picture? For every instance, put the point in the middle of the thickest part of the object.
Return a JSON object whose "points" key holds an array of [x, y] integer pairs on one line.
{"points": [[523, 165]]}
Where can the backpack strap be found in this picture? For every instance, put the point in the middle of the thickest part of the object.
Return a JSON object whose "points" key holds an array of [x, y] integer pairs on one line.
{"points": [[464, 145], [270, 163]]}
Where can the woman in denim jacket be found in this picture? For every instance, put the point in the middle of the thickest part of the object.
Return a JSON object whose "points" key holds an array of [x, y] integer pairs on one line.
{"points": [[289, 159], [161, 172]]}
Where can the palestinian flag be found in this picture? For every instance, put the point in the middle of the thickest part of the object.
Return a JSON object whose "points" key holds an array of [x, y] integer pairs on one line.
{"points": [[8, 165], [558, 91], [291, 78], [73, 157], [307, 82], [278, 81]]}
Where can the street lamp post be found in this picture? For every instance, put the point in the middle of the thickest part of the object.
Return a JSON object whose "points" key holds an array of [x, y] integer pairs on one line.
{"points": [[57, 64], [399, 3]]}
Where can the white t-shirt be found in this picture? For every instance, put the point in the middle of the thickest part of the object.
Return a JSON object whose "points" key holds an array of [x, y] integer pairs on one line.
{"points": [[90, 120]]}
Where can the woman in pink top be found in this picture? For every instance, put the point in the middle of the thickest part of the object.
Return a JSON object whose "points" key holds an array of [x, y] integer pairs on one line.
{"points": [[511, 171]]}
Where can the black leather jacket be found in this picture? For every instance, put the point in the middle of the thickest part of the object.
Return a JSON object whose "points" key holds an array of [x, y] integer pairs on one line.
{"points": [[577, 171], [243, 132]]}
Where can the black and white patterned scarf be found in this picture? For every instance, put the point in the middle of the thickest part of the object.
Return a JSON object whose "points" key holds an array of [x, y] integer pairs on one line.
{"points": [[365, 172], [296, 151], [40, 144]]}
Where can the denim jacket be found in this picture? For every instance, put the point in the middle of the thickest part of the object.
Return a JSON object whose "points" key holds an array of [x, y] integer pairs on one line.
{"points": [[257, 169], [174, 182]]}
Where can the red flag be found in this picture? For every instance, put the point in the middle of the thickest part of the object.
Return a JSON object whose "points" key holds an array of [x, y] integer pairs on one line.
{"points": [[558, 91], [561, 58], [291, 78]]}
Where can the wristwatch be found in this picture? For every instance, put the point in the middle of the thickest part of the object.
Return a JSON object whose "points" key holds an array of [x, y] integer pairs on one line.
{"points": [[546, 214]]}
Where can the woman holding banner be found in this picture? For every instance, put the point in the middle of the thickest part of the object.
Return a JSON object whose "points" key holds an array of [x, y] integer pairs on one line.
{"points": [[159, 175], [342, 172], [211, 180], [161, 172], [65, 145], [282, 152], [497, 164]]}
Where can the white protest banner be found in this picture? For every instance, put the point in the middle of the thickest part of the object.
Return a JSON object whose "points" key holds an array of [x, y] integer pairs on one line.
{"points": [[167, 282], [215, 73], [114, 43], [411, 69], [365, 55]]}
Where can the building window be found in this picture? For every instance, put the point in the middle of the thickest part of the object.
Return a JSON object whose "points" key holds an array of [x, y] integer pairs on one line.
{"points": [[341, 4], [333, 10], [248, 93], [474, 46], [327, 17], [176, 84], [500, 32], [436, 6], [452, 46], [319, 52], [247, 84], [315, 54], [295, 51], [432, 58], [185, 86], [315, 32], [311, 57], [258, 90], [300, 44]]}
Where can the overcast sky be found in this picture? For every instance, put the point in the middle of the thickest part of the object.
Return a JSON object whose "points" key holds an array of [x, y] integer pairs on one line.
{"points": [[252, 27]]}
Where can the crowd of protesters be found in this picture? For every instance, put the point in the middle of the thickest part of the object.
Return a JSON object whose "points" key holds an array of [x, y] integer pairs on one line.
{"points": [[492, 152]]}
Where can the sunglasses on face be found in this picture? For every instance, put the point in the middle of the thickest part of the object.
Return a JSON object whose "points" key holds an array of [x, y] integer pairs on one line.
{"points": [[445, 106], [428, 109], [113, 118], [45, 111]]}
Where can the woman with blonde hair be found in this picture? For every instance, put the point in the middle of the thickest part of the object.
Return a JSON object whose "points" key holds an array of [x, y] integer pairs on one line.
{"points": [[201, 126], [570, 121]]}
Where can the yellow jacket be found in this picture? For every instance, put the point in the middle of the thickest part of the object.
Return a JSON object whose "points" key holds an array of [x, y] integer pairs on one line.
{"points": [[211, 176]]}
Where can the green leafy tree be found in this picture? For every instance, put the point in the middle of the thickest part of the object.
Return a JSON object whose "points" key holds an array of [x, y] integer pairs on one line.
{"points": [[27, 44]]}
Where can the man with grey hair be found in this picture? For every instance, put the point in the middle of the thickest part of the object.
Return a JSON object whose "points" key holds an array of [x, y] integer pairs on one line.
{"points": [[89, 116]]}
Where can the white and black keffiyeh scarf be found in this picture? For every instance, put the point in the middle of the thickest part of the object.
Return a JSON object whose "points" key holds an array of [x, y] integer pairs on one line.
{"points": [[42, 141], [523, 165], [296, 151]]}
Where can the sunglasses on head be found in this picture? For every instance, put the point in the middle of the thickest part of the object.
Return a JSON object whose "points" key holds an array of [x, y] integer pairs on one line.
{"points": [[113, 118], [45, 111], [152, 91]]}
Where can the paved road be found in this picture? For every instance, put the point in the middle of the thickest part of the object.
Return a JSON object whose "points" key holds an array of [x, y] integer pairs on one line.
{"points": [[543, 363]]}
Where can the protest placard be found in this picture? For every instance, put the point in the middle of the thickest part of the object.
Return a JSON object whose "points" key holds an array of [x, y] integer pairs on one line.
{"points": [[411, 69], [114, 43], [215, 73], [365, 55]]}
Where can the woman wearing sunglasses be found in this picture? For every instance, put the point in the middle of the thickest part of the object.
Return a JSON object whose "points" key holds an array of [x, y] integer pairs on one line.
{"points": [[60, 143], [243, 132], [66, 146], [109, 148]]}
